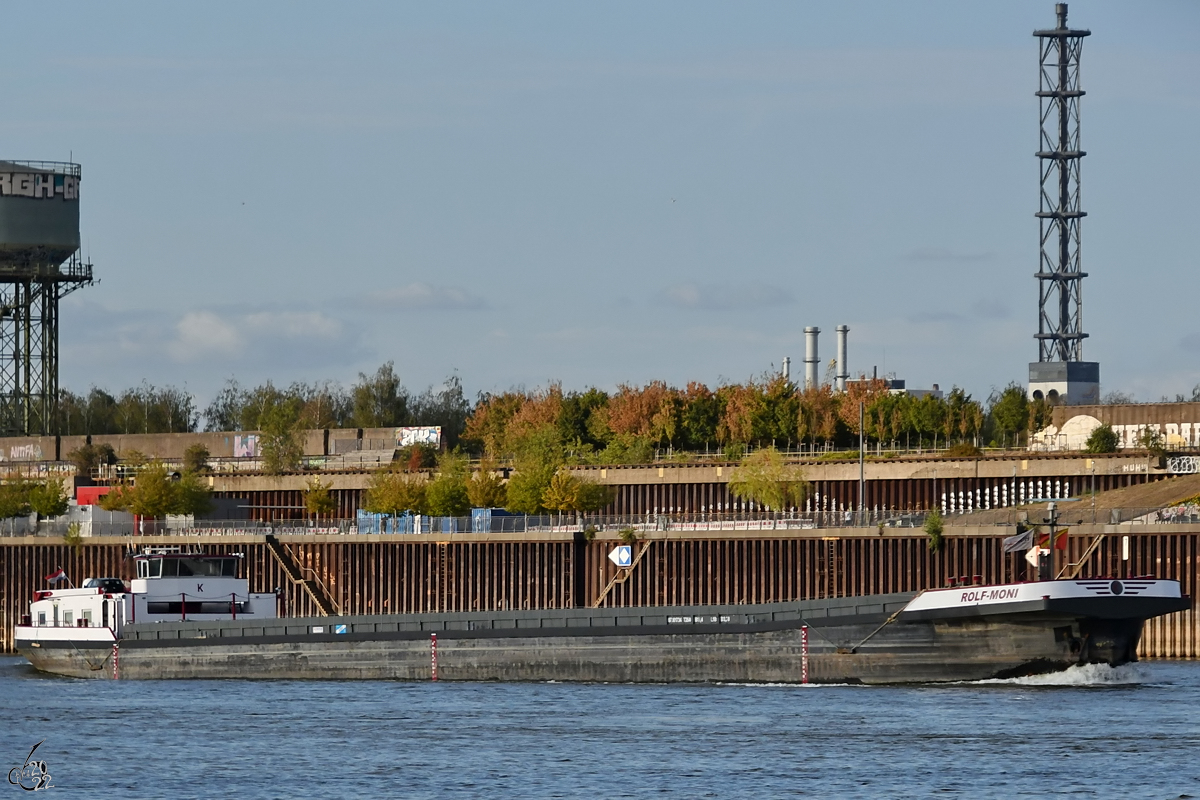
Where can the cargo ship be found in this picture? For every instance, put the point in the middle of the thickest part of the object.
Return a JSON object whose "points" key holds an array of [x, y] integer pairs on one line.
{"points": [[191, 616]]}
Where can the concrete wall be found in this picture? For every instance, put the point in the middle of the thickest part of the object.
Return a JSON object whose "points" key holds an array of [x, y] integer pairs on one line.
{"points": [[1178, 423], [29, 448], [170, 446]]}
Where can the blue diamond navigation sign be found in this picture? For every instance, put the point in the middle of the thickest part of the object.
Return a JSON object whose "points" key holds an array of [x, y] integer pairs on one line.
{"points": [[622, 555]]}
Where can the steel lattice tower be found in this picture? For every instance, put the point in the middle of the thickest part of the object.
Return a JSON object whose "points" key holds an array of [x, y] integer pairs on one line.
{"points": [[40, 264], [1060, 279]]}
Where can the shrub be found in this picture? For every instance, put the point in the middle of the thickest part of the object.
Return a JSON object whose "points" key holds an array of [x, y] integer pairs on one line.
{"points": [[933, 528], [1102, 440]]}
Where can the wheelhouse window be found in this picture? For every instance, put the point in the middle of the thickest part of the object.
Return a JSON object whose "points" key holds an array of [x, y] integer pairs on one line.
{"points": [[183, 567], [207, 567]]}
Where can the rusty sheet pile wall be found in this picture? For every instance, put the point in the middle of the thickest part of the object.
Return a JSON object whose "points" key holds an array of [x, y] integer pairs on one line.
{"points": [[416, 574]]}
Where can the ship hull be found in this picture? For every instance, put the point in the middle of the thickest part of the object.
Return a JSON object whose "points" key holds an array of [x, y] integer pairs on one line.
{"points": [[869, 640]]}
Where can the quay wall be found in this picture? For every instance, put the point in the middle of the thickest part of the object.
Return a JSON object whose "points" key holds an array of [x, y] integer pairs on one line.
{"points": [[914, 484], [373, 574], [998, 480]]}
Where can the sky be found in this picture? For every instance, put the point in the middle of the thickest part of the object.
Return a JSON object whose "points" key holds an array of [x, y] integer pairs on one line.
{"points": [[602, 193]]}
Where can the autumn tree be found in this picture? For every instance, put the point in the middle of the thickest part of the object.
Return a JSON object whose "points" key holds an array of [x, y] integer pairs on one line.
{"points": [[487, 426], [486, 489]]}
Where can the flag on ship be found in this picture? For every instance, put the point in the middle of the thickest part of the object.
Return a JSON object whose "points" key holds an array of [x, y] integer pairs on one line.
{"points": [[1022, 541], [1060, 539], [59, 574]]}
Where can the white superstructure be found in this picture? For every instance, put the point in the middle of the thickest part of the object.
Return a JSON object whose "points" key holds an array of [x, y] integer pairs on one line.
{"points": [[169, 587], [974, 596]]}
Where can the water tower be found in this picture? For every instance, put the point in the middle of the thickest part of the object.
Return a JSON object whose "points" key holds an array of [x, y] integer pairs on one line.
{"points": [[39, 265]]}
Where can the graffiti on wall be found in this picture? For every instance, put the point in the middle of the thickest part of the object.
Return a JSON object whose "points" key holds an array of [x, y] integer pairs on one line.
{"points": [[22, 452], [426, 434], [246, 446], [1183, 465], [1075, 432]]}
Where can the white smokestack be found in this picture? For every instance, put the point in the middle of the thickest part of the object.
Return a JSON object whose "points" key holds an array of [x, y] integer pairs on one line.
{"points": [[812, 363], [843, 373]]}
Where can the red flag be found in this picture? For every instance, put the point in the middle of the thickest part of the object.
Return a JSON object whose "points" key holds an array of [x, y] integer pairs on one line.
{"points": [[58, 575], [1060, 539]]}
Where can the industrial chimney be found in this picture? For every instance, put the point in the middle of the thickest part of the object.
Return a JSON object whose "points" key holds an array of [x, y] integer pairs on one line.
{"points": [[787, 368], [843, 374], [812, 363]]}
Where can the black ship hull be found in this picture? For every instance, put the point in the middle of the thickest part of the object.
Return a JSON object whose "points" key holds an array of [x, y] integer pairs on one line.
{"points": [[869, 640]]}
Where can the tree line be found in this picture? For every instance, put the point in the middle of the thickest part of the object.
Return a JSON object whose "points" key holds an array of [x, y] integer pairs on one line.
{"points": [[592, 425], [377, 400], [629, 425]]}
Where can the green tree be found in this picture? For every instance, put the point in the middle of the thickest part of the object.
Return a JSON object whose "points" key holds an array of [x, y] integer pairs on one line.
{"points": [[1102, 440], [527, 486], [562, 494], [486, 489], [195, 458], [282, 448], [391, 492], [933, 529], [575, 419], [90, 457], [570, 492], [627, 448], [539, 455], [48, 499], [379, 401], [446, 495], [700, 415], [594, 496], [14, 497], [1151, 439], [1040, 414], [1010, 411], [766, 478], [448, 408], [318, 500], [192, 495], [155, 493]]}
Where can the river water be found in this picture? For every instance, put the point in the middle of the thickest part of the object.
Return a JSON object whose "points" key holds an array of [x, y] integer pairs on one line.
{"points": [[1094, 732]]}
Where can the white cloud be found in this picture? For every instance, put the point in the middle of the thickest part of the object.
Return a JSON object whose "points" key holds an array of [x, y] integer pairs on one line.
{"points": [[203, 334], [207, 335], [292, 325], [722, 296], [425, 296]]}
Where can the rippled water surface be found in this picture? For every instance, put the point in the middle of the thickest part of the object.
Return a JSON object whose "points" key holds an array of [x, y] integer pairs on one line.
{"points": [[1132, 732]]}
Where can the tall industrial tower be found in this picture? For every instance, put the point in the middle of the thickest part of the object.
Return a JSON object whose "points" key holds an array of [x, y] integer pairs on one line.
{"points": [[39, 265], [1060, 374]]}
